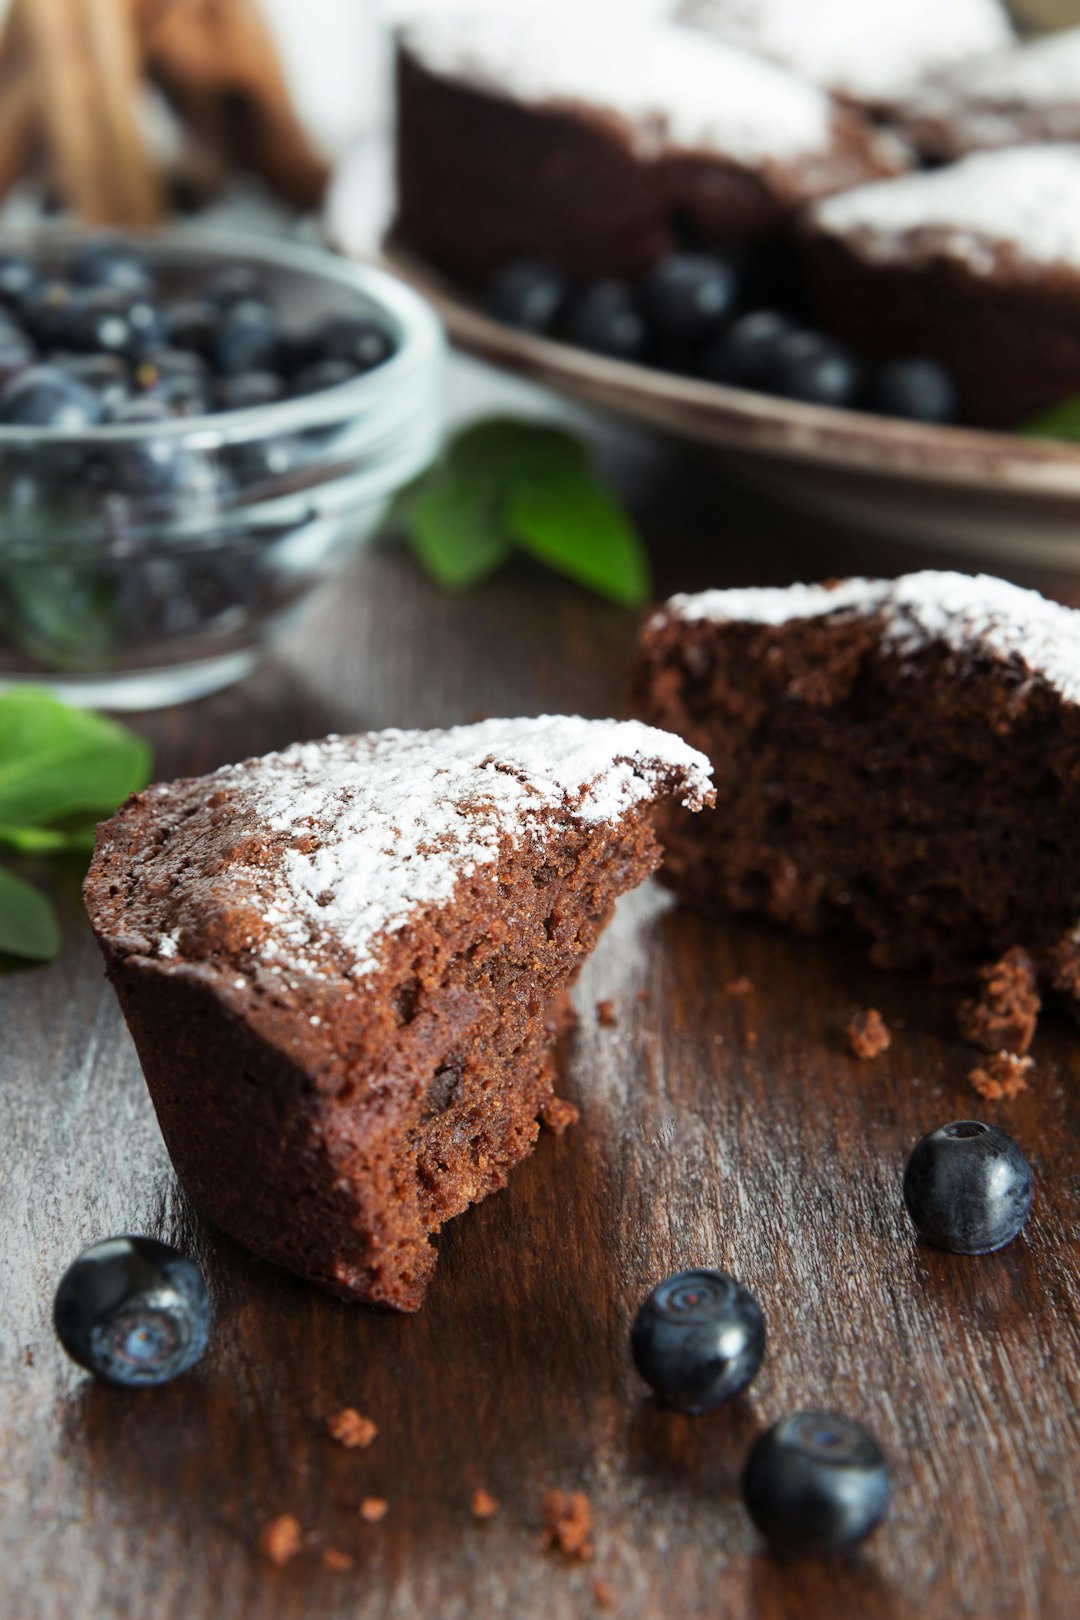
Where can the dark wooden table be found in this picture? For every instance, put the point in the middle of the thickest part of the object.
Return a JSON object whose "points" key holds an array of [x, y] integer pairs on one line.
{"points": [[716, 1129]]}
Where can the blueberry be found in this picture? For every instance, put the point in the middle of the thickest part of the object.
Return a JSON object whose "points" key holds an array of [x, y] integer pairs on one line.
{"points": [[809, 367], [689, 295], [46, 396], [192, 325], [323, 374], [920, 390], [110, 263], [236, 284], [18, 273], [16, 353], [746, 355], [42, 310], [133, 1311], [247, 390], [159, 465], [177, 378], [698, 1339], [968, 1187], [147, 322], [95, 320], [815, 1484], [606, 319], [246, 339], [106, 374], [528, 293], [363, 342]]}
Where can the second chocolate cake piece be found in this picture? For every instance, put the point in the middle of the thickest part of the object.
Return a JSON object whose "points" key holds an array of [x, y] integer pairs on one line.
{"points": [[899, 758], [342, 967]]}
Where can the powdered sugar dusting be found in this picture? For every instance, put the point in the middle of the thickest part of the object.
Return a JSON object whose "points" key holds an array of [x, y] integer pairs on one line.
{"points": [[677, 91], [965, 612], [1035, 87], [1025, 201], [368, 829], [874, 53]]}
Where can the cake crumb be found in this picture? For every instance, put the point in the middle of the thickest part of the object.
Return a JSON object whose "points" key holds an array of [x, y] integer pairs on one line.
{"points": [[334, 1559], [742, 986], [567, 1519], [557, 1115], [374, 1508], [605, 1014], [282, 1539], [350, 1428], [867, 1033], [1003, 1016], [1003, 1075], [483, 1506], [603, 1593]]}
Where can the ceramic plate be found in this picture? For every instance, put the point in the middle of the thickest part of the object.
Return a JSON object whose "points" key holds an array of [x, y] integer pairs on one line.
{"points": [[990, 496]]}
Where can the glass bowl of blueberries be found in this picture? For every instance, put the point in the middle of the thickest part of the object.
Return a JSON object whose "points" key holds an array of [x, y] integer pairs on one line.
{"points": [[195, 432]]}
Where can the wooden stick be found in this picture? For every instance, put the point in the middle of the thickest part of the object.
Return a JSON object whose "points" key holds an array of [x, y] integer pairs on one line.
{"points": [[18, 110], [88, 68], [216, 62]]}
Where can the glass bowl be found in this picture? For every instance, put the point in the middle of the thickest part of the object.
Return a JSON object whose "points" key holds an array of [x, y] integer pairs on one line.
{"points": [[148, 564]]}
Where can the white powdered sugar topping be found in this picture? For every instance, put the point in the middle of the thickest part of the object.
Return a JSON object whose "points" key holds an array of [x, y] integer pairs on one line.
{"points": [[965, 612], [1025, 201], [371, 828], [985, 101], [676, 90], [871, 52]]}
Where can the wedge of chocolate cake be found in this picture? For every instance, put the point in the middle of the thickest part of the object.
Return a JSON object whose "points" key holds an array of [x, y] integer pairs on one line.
{"points": [[977, 264], [898, 758], [342, 966], [561, 133]]}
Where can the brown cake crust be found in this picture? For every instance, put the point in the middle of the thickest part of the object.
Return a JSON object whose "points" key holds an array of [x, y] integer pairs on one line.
{"points": [[334, 1123], [924, 798], [483, 179], [1011, 340]]}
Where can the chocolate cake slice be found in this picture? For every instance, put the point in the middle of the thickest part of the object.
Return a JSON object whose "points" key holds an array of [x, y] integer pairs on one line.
{"points": [[592, 142], [342, 967], [898, 758], [977, 264], [1027, 95], [874, 56]]}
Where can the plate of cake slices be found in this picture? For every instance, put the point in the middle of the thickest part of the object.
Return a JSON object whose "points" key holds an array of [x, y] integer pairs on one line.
{"points": [[862, 288]]}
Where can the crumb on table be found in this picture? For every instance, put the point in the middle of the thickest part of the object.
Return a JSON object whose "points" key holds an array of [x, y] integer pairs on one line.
{"points": [[282, 1539], [333, 1558], [567, 1517], [603, 1593], [867, 1033], [484, 1505], [558, 1114], [373, 1508], [1004, 1014], [605, 1014], [350, 1428], [1003, 1075], [742, 986]]}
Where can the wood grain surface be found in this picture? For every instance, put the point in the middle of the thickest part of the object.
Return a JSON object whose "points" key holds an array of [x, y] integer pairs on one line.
{"points": [[717, 1128]]}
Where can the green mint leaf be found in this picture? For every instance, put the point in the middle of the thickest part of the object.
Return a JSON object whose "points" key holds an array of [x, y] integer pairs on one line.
{"points": [[48, 840], [500, 448], [454, 529], [1060, 422], [57, 762], [572, 524], [28, 925]]}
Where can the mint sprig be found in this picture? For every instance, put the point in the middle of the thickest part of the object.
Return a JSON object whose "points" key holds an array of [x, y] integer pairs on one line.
{"points": [[503, 486], [1059, 422], [61, 771]]}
